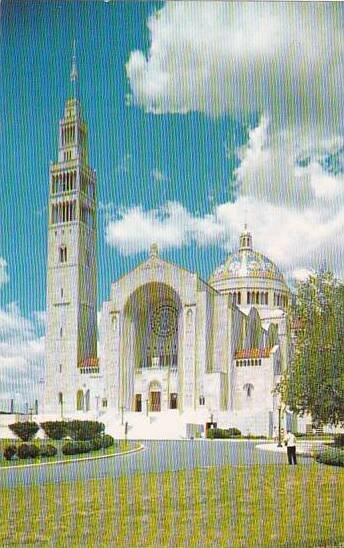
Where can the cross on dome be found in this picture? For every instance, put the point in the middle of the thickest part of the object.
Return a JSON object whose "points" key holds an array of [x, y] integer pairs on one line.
{"points": [[245, 240], [154, 250]]}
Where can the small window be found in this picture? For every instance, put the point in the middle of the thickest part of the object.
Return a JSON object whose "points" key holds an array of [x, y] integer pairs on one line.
{"points": [[260, 362], [245, 363], [63, 254], [60, 367], [202, 400], [61, 332], [104, 402], [61, 292]]}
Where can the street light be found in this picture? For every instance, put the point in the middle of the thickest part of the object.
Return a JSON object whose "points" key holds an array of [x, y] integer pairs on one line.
{"points": [[122, 411], [279, 426]]}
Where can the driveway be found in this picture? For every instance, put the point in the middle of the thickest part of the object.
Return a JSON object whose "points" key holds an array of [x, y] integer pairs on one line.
{"points": [[157, 456]]}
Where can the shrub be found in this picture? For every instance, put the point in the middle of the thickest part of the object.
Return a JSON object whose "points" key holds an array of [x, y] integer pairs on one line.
{"points": [[85, 430], [48, 450], [24, 430], [76, 447], [10, 451], [339, 440], [55, 430], [233, 432], [221, 433], [335, 457], [27, 451], [107, 441]]}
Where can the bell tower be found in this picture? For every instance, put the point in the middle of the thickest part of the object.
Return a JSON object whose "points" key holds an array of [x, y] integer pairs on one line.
{"points": [[71, 339]]}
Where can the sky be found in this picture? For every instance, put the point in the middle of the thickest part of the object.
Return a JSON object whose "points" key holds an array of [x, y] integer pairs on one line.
{"points": [[202, 116]]}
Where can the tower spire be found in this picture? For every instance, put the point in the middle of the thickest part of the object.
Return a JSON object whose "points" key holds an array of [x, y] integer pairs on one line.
{"points": [[74, 72]]}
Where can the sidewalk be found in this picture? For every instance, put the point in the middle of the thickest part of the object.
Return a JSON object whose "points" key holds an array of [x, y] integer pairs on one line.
{"points": [[305, 448]]}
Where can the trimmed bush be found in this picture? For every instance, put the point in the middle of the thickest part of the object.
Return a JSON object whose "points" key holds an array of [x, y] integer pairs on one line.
{"points": [[48, 450], [79, 447], [234, 432], [10, 451], [76, 447], [221, 433], [24, 430], [107, 441], [85, 430], [339, 440], [334, 457], [28, 451], [55, 430], [77, 430]]}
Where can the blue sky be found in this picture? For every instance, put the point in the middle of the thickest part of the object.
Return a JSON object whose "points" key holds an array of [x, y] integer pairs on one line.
{"points": [[201, 116]]}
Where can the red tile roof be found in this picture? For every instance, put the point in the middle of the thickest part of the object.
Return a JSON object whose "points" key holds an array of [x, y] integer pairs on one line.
{"points": [[252, 353]]}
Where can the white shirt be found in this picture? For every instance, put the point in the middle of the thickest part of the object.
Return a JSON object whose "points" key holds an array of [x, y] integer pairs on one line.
{"points": [[290, 439]]}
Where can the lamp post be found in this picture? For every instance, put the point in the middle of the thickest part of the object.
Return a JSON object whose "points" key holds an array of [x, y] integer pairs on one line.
{"points": [[279, 426], [122, 414]]}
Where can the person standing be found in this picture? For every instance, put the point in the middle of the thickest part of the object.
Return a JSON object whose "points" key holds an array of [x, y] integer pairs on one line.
{"points": [[290, 442]]}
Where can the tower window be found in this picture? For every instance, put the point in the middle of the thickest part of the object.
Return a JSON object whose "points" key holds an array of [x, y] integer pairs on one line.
{"points": [[63, 254], [239, 297], [61, 292], [61, 331], [60, 367], [248, 297]]}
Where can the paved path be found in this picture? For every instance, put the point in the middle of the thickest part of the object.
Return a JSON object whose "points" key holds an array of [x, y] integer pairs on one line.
{"points": [[157, 456]]}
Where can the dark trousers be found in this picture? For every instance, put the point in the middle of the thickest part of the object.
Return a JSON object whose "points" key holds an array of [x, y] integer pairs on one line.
{"points": [[291, 451]]}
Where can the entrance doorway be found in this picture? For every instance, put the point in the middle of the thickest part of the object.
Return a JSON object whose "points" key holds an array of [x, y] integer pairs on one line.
{"points": [[155, 401], [138, 403], [173, 400]]}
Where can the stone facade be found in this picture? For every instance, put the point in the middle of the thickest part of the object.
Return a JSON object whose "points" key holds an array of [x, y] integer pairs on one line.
{"points": [[168, 341]]}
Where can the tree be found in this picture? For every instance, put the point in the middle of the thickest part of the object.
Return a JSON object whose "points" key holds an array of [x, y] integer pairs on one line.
{"points": [[314, 382]]}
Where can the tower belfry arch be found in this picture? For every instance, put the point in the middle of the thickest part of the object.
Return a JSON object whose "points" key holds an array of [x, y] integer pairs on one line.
{"points": [[71, 341]]}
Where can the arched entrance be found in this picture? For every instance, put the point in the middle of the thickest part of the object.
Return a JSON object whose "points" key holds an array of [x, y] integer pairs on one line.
{"points": [[155, 396], [151, 340]]}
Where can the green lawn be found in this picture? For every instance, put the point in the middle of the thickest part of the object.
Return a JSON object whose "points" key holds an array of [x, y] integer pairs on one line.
{"points": [[232, 506], [119, 447]]}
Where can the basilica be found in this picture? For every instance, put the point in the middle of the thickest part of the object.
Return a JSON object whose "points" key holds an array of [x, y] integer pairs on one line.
{"points": [[168, 342]]}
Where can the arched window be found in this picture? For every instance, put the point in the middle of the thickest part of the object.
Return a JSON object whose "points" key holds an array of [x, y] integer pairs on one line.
{"points": [[245, 363], [239, 297], [266, 298], [248, 388], [80, 400], [248, 297]]}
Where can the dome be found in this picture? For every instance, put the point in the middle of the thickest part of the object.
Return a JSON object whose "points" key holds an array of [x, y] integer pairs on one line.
{"points": [[246, 263]]}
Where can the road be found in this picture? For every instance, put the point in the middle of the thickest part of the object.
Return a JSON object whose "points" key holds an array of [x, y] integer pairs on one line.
{"points": [[157, 456]]}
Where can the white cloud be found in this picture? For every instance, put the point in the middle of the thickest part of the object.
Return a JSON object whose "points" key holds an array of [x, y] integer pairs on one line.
{"points": [[158, 175], [170, 226], [295, 212], [284, 59], [302, 274], [21, 355], [3, 272]]}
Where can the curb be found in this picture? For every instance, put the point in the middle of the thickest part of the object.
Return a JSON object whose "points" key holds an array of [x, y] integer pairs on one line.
{"points": [[72, 461]]}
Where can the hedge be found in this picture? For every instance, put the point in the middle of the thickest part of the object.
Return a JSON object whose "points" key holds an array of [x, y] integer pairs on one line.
{"points": [[221, 433], [24, 430], [28, 451], [335, 457], [55, 430], [339, 440], [10, 451], [48, 450], [77, 430], [79, 447]]}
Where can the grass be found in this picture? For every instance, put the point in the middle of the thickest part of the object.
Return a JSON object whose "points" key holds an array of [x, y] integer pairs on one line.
{"points": [[119, 447], [232, 506]]}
